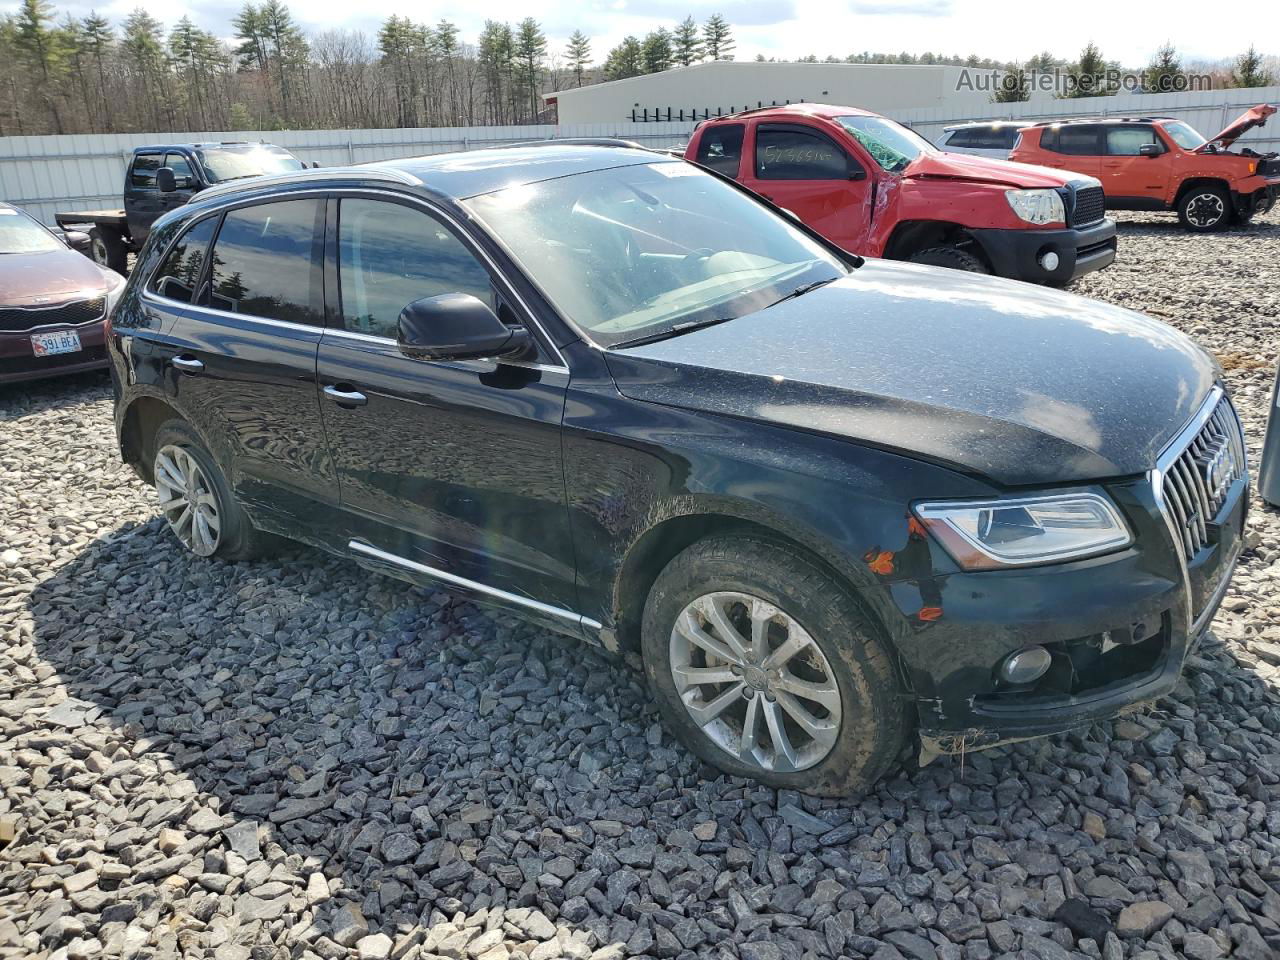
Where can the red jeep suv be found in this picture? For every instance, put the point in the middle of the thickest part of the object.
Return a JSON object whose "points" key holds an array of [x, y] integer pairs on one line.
{"points": [[1159, 163], [877, 188]]}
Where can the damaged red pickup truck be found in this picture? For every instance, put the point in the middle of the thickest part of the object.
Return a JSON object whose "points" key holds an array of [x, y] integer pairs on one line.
{"points": [[877, 188]]}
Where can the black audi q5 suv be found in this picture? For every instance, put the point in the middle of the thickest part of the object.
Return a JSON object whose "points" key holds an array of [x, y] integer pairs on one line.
{"points": [[841, 507]]}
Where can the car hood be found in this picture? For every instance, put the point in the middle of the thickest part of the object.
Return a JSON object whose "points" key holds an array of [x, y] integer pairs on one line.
{"points": [[1017, 383], [976, 168], [1253, 117], [28, 279]]}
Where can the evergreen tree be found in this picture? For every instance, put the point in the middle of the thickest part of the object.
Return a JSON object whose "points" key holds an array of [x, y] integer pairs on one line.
{"points": [[530, 54], [44, 49], [717, 38], [625, 60], [687, 42], [657, 51], [1249, 71], [1012, 87], [578, 53], [1165, 74], [1089, 74], [99, 42]]}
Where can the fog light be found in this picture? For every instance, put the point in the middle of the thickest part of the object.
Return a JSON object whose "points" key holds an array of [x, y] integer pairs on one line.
{"points": [[1049, 261], [1025, 666]]}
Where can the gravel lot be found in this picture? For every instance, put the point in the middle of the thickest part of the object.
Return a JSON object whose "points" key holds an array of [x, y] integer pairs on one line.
{"points": [[305, 760]]}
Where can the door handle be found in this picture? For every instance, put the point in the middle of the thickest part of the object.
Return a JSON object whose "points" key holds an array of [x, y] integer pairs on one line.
{"points": [[345, 398], [188, 364]]}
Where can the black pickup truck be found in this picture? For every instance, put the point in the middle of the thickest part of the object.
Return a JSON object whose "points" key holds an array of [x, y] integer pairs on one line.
{"points": [[165, 176]]}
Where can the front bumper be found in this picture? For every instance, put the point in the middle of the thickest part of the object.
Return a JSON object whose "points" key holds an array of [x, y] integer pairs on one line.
{"points": [[1119, 627], [1080, 250], [18, 362]]}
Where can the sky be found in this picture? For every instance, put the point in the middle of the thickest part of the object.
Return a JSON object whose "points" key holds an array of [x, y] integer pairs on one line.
{"points": [[790, 29]]}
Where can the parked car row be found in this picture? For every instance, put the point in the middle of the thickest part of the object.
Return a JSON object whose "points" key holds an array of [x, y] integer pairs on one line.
{"points": [[842, 507], [1144, 163]]}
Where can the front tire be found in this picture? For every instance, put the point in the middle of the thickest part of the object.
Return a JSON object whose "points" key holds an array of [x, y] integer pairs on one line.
{"points": [[1204, 209], [765, 667], [196, 500], [951, 257]]}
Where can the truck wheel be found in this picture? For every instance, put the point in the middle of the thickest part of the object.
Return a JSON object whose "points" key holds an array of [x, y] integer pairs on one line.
{"points": [[952, 257], [196, 499], [107, 250], [1204, 209], [766, 667]]}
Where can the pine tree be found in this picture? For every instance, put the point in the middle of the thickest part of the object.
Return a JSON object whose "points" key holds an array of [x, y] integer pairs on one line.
{"points": [[144, 53], [287, 48], [1089, 74], [656, 50], [44, 49], [398, 42], [1249, 71], [99, 40], [717, 37], [1165, 74], [625, 60], [578, 53], [687, 42], [494, 55], [1012, 87], [530, 53]]}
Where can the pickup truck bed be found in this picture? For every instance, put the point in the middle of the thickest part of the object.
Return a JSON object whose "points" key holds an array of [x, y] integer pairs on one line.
{"points": [[102, 218]]}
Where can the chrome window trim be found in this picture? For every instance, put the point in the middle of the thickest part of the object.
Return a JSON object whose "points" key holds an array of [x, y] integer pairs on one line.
{"points": [[389, 343], [560, 613]]}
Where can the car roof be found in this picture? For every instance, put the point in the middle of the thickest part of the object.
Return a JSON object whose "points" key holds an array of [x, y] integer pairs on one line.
{"points": [[1110, 120], [456, 176], [157, 147], [984, 123], [827, 111]]}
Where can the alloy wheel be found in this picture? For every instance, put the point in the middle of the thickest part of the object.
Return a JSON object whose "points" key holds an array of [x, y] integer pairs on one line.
{"points": [[187, 500], [755, 682], [1206, 209]]}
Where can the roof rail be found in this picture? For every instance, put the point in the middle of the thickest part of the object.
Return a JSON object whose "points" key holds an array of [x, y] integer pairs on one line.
{"points": [[573, 142], [1060, 120], [305, 176]]}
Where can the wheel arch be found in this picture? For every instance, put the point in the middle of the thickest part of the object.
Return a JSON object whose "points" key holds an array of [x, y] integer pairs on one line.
{"points": [[911, 236], [1194, 183], [658, 545], [142, 419]]}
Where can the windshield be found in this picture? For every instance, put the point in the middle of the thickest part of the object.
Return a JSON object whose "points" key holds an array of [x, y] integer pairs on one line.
{"points": [[20, 234], [640, 251], [890, 144], [251, 160], [1184, 135]]}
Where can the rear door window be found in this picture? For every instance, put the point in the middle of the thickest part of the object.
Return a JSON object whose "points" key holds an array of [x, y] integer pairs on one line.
{"points": [[144, 170], [267, 262], [1076, 141], [720, 148], [1128, 141], [179, 275], [798, 153]]}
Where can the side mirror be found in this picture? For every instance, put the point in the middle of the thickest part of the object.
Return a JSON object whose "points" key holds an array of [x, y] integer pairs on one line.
{"points": [[458, 326], [315, 164], [166, 180], [76, 240], [1150, 150]]}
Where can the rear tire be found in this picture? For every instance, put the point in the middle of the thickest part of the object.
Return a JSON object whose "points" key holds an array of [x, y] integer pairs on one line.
{"points": [[196, 499], [107, 250], [951, 257], [834, 695], [1204, 209]]}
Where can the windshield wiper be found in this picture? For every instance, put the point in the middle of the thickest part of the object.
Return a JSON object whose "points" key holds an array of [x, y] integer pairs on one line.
{"points": [[674, 331], [804, 288]]}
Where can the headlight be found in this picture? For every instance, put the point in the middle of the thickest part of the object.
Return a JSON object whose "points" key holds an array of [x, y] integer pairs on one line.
{"points": [[1037, 206], [982, 535], [114, 292]]}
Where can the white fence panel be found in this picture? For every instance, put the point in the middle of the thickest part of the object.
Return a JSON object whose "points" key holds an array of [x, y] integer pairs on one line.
{"points": [[86, 171], [46, 175]]}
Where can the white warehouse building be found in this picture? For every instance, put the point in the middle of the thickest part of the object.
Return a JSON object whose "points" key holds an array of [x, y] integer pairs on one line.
{"points": [[726, 86]]}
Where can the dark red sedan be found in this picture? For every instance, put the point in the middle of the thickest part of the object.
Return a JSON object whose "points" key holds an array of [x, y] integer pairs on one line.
{"points": [[53, 302]]}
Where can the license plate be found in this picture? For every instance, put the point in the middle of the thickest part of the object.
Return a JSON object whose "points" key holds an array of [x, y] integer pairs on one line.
{"points": [[50, 344]]}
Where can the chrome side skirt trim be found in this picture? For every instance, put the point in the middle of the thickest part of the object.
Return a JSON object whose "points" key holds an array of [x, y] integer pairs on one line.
{"points": [[576, 619]]}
